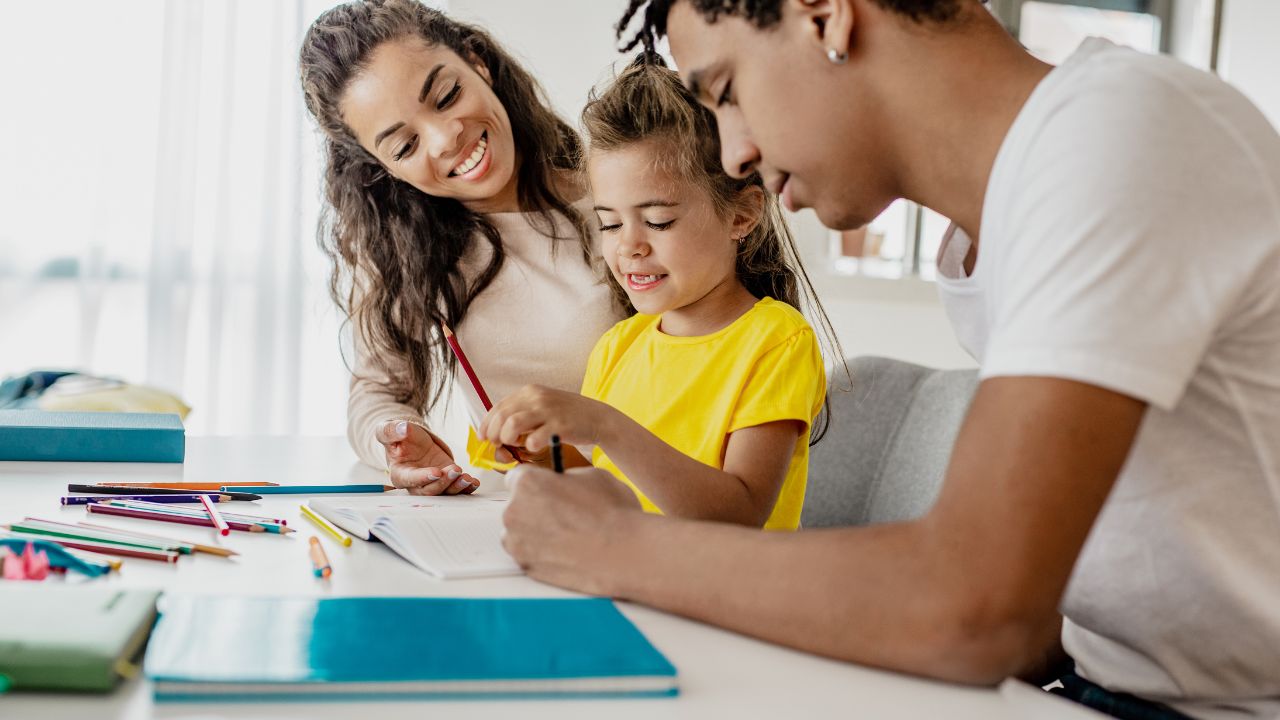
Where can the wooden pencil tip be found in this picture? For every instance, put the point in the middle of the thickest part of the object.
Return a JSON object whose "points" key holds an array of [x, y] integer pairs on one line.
{"points": [[446, 330]]}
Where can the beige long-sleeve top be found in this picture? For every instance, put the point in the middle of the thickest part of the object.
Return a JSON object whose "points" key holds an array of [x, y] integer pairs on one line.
{"points": [[536, 323]]}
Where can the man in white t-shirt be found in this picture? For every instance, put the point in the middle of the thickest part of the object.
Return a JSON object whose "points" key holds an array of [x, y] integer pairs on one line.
{"points": [[1115, 269]]}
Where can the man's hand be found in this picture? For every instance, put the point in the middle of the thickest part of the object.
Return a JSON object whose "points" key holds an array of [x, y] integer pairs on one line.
{"points": [[563, 528]]}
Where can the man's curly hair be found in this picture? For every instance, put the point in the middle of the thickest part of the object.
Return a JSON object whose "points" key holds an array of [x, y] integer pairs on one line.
{"points": [[761, 13]]}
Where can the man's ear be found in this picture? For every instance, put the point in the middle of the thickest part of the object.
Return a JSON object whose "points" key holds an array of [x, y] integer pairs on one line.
{"points": [[827, 23], [749, 211]]}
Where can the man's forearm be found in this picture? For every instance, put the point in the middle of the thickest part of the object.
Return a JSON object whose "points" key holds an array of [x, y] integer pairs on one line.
{"points": [[874, 595]]}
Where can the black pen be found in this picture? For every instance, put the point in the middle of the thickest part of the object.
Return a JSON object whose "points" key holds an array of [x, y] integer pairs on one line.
{"points": [[128, 490], [557, 462]]}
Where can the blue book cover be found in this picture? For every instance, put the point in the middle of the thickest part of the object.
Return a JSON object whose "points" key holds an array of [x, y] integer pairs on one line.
{"points": [[91, 436], [258, 648]]}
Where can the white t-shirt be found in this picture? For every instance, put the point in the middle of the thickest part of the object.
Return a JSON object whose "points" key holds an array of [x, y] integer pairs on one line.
{"points": [[1131, 240]]}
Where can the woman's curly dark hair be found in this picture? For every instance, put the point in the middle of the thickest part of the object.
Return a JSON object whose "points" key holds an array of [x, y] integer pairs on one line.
{"points": [[396, 250]]}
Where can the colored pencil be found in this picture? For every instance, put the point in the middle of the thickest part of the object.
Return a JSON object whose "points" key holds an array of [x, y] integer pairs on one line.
{"points": [[112, 564], [212, 486], [317, 489], [103, 547], [325, 525], [182, 519], [466, 366], [218, 522], [86, 499], [195, 547], [456, 347], [135, 490], [190, 512], [43, 527], [319, 561]]}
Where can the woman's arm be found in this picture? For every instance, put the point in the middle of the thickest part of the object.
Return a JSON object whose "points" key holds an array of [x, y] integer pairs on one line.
{"points": [[390, 435]]}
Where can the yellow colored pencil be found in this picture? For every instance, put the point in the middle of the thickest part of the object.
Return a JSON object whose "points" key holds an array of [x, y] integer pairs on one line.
{"points": [[325, 525]]}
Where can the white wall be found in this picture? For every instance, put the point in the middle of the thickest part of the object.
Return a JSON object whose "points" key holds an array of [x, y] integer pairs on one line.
{"points": [[1249, 57], [567, 44]]}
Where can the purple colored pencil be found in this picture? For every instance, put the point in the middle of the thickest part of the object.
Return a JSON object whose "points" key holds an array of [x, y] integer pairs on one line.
{"points": [[86, 499]]}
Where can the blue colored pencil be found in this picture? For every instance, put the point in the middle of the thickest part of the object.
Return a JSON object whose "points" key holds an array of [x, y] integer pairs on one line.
{"points": [[311, 489], [86, 499]]}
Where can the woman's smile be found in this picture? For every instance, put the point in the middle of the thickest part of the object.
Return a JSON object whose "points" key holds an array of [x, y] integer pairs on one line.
{"points": [[477, 162]]}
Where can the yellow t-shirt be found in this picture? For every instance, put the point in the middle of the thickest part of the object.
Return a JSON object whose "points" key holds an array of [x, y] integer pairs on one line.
{"points": [[692, 392]]}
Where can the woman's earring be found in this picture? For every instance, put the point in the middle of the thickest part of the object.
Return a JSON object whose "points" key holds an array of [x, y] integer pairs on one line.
{"points": [[836, 57]]}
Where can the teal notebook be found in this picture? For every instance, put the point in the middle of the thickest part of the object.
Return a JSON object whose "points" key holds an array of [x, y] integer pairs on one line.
{"points": [[247, 648], [91, 436]]}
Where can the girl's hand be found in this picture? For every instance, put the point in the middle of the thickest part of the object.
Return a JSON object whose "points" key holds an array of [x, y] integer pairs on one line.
{"points": [[532, 414], [417, 461]]}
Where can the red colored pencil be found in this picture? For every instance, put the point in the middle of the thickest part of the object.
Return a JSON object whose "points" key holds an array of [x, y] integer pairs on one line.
{"points": [[466, 367], [181, 519], [475, 381], [218, 522]]}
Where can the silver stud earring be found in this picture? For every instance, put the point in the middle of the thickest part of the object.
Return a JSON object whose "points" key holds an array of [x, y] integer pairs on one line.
{"points": [[836, 57]]}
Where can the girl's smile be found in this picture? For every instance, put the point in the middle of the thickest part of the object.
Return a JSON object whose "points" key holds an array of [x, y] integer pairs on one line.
{"points": [[664, 241], [643, 283]]}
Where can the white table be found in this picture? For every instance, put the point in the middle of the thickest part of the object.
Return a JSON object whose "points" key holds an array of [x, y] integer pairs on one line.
{"points": [[721, 673]]}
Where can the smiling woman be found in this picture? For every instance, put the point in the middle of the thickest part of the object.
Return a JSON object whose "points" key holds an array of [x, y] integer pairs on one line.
{"points": [[451, 189]]}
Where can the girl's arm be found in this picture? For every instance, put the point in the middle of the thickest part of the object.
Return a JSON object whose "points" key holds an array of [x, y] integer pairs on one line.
{"points": [[744, 491], [755, 465]]}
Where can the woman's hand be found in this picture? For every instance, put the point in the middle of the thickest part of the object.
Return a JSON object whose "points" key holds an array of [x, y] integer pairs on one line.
{"points": [[420, 463], [531, 415]]}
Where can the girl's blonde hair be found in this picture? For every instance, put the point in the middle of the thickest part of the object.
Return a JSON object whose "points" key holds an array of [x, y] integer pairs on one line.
{"points": [[647, 103]]}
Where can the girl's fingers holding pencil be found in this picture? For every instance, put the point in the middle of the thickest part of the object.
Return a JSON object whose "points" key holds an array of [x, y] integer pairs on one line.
{"points": [[517, 425]]}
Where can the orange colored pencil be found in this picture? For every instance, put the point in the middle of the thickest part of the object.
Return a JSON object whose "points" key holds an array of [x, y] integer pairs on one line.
{"points": [[211, 486]]}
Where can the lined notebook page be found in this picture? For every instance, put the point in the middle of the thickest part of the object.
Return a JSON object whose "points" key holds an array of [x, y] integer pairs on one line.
{"points": [[448, 546]]}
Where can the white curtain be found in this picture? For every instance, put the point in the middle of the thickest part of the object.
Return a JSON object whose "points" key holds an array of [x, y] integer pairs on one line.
{"points": [[158, 202]]}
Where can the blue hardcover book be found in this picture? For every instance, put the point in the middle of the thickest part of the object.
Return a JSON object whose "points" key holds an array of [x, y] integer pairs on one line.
{"points": [[91, 436], [259, 648]]}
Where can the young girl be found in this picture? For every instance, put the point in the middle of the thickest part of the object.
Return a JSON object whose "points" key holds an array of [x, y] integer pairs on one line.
{"points": [[703, 402]]}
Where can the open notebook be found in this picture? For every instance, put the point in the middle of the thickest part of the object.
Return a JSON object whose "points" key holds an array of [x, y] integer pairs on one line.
{"points": [[448, 537]]}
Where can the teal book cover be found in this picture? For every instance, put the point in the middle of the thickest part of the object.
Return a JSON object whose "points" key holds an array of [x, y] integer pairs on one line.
{"points": [[358, 648], [91, 436]]}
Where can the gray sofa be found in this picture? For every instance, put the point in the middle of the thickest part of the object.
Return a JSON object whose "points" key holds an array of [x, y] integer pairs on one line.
{"points": [[885, 454]]}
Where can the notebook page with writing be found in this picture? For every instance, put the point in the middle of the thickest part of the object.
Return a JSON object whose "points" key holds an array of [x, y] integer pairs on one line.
{"points": [[448, 546]]}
